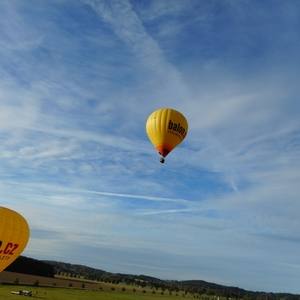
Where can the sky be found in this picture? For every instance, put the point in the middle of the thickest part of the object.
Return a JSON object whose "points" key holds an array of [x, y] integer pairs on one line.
{"points": [[78, 80]]}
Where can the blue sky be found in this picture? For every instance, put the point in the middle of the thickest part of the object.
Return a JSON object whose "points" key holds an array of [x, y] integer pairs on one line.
{"points": [[77, 82]]}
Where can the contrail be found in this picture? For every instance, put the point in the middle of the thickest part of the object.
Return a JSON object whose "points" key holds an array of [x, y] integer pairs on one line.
{"points": [[133, 196], [167, 211], [102, 193]]}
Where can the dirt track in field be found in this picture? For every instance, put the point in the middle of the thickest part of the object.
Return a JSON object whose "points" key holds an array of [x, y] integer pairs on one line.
{"points": [[13, 278]]}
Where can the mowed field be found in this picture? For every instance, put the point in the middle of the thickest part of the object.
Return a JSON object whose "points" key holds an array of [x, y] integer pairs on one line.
{"points": [[64, 289], [77, 294]]}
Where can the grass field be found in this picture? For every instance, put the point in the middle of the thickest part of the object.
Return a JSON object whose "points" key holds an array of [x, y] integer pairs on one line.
{"points": [[77, 294], [64, 288]]}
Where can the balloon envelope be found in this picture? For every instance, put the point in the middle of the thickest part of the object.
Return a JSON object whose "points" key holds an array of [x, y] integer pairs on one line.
{"points": [[166, 128], [14, 235]]}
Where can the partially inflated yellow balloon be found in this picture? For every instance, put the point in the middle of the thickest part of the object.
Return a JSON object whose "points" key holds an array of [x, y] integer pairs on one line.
{"points": [[14, 235], [166, 128]]}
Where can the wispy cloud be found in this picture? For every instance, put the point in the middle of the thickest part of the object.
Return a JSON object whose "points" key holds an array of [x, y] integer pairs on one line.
{"points": [[127, 25]]}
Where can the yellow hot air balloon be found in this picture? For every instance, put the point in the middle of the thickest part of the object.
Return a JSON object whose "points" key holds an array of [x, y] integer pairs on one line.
{"points": [[14, 235], [166, 128]]}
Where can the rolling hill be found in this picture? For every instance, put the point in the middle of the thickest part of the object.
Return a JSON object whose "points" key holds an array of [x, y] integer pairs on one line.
{"points": [[50, 268]]}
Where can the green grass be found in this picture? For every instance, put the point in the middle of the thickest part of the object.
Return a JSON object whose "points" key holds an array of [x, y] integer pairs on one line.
{"points": [[77, 294]]}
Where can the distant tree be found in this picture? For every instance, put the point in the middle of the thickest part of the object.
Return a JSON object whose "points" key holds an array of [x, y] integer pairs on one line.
{"points": [[31, 266], [112, 288], [83, 285], [70, 284], [16, 282], [36, 283], [144, 291], [134, 290], [123, 289], [54, 283]]}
